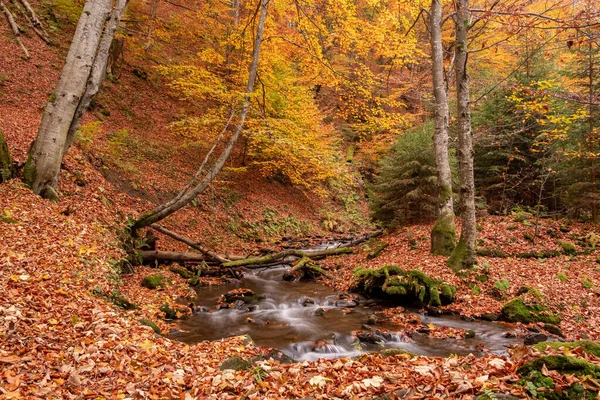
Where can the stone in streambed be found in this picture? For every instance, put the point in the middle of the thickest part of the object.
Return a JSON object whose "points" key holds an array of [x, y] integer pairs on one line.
{"points": [[534, 338]]}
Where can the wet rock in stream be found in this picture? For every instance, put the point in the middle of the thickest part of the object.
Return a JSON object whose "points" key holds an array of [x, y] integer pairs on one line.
{"points": [[238, 298], [534, 338]]}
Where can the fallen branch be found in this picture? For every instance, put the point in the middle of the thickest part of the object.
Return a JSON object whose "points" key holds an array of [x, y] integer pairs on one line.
{"points": [[15, 28], [211, 254], [33, 20]]}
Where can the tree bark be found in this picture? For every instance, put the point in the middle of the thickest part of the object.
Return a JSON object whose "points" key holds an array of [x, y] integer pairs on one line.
{"points": [[6, 163], [186, 195], [170, 256], [285, 253], [443, 234], [463, 255], [79, 82], [98, 71]]}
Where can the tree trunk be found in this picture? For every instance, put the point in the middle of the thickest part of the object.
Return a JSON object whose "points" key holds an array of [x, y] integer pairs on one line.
{"points": [[82, 71], [186, 195], [463, 255], [443, 234], [6, 163], [98, 71]]}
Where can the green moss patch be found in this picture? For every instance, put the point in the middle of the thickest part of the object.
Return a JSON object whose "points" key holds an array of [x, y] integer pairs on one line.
{"points": [[153, 282], [587, 345], [517, 311], [443, 237], [182, 272], [409, 287], [568, 248]]}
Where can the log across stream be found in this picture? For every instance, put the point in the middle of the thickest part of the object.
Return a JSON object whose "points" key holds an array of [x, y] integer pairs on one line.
{"points": [[307, 321]]}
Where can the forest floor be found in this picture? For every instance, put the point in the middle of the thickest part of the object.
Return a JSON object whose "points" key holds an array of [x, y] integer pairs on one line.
{"points": [[63, 336]]}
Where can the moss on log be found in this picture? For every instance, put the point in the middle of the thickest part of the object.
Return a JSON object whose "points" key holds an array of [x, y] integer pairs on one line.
{"points": [[282, 254]]}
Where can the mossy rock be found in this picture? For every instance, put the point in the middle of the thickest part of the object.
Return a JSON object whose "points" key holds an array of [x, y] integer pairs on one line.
{"points": [[517, 311], [170, 313], [396, 352], [153, 282], [182, 272], [236, 364], [589, 346], [561, 363], [147, 322], [412, 286], [193, 281], [118, 300], [568, 247]]}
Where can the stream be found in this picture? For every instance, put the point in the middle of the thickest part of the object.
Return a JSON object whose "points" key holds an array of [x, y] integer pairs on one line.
{"points": [[321, 327]]}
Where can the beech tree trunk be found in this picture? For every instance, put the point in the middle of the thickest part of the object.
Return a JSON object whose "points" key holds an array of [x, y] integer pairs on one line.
{"points": [[463, 255], [6, 163], [80, 80], [194, 188], [443, 234]]}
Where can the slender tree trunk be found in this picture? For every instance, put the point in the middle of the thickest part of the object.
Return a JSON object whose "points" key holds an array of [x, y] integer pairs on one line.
{"points": [[591, 122], [72, 96], [6, 163], [153, 10], [190, 191], [98, 71], [463, 255], [443, 234]]}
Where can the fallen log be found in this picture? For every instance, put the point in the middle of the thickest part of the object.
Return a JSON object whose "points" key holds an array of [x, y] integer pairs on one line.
{"points": [[211, 254], [299, 270], [285, 253], [170, 256]]}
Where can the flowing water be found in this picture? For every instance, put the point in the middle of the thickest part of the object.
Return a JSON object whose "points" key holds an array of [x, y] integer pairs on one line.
{"points": [[284, 319]]}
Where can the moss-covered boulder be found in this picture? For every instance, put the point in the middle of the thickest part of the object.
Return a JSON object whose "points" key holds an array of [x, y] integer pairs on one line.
{"points": [[174, 311], [561, 363], [409, 287], [182, 272], [568, 247], [241, 295], [153, 282], [517, 311], [587, 345], [236, 364]]}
